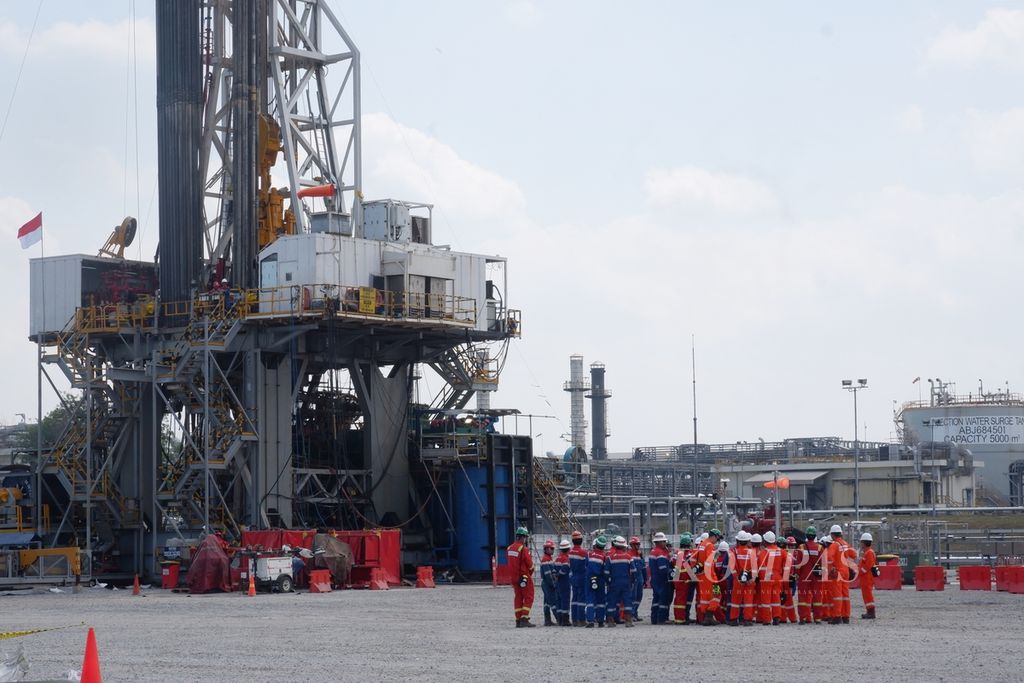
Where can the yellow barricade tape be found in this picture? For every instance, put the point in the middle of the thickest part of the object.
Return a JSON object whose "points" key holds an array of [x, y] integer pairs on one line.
{"points": [[5, 635]]}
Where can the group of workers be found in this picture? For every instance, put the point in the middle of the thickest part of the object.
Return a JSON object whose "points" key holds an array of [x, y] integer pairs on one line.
{"points": [[765, 580]]}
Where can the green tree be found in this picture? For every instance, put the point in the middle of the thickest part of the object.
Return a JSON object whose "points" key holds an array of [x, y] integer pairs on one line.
{"points": [[53, 424]]}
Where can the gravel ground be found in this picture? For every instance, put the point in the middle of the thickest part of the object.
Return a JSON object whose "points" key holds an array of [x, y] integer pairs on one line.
{"points": [[465, 633]]}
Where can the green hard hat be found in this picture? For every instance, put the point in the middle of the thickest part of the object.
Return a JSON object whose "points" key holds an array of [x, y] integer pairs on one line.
{"points": [[601, 541], [715, 532], [685, 539], [521, 531], [811, 531]]}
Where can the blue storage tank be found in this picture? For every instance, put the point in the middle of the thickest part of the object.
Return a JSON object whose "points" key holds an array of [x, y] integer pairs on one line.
{"points": [[471, 523], [475, 509]]}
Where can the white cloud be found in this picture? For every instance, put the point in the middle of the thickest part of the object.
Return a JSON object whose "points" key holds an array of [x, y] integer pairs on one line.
{"points": [[690, 187], [89, 39], [998, 38], [910, 119], [995, 138], [522, 12], [405, 163]]}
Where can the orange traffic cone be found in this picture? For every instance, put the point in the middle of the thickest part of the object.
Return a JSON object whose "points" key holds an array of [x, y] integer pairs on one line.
{"points": [[91, 661], [252, 585], [135, 586]]}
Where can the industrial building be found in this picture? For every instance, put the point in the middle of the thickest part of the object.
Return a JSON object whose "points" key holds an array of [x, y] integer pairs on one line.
{"points": [[693, 485], [261, 373], [989, 423]]}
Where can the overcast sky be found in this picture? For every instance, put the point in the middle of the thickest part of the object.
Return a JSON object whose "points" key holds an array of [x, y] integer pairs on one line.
{"points": [[816, 191]]}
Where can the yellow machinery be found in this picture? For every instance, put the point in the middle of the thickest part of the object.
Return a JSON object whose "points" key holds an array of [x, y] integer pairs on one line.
{"points": [[120, 239], [274, 219]]}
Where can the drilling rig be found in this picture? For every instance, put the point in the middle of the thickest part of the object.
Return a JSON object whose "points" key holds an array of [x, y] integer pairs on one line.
{"points": [[260, 372]]}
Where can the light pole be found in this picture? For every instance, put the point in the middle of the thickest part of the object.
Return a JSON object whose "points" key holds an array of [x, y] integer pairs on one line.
{"points": [[850, 386], [933, 423]]}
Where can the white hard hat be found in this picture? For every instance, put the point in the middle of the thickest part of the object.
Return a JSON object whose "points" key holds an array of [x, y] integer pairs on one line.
{"points": [[836, 529], [723, 547], [756, 538], [703, 536], [224, 280], [866, 537], [621, 540], [825, 539], [743, 536], [286, 548], [660, 536], [565, 544], [769, 537]]}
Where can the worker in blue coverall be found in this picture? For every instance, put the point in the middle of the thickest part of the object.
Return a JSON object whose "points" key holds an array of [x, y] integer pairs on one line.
{"points": [[562, 573], [639, 575], [549, 582], [660, 565], [596, 583], [578, 580], [620, 583]]}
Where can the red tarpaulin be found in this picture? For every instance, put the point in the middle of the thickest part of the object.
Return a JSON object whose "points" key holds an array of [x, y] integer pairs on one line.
{"points": [[210, 570]]}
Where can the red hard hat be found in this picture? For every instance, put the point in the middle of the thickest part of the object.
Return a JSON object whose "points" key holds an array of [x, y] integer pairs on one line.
{"points": [[634, 540], [790, 540], [577, 534], [549, 544]]}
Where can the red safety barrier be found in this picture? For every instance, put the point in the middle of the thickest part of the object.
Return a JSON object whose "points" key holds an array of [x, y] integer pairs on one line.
{"points": [[372, 549], [1015, 580], [1003, 577], [890, 577], [504, 575], [975, 577], [377, 580], [320, 581], [425, 577], [930, 578]]}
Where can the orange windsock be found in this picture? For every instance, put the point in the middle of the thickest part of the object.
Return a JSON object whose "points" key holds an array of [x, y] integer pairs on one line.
{"points": [[317, 191]]}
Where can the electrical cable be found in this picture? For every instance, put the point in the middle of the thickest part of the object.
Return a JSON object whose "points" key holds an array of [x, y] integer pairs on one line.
{"points": [[21, 68]]}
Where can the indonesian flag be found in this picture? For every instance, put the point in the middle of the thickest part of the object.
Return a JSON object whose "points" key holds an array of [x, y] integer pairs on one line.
{"points": [[31, 232]]}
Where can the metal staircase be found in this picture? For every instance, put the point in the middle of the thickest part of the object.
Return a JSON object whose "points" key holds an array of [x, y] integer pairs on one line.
{"points": [[462, 370], [551, 503]]}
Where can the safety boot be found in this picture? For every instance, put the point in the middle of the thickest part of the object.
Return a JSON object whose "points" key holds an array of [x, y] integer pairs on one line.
{"points": [[629, 621], [869, 614], [590, 624], [733, 622], [547, 620], [524, 623], [846, 620], [775, 621], [709, 619]]}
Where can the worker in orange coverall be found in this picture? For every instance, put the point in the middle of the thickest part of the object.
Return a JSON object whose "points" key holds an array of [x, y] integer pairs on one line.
{"points": [[843, 561], [867, 568], [705, 555], [827, 582], [788, 582], [521, 568]]}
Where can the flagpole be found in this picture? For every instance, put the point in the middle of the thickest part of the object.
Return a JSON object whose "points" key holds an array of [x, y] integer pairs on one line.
{"points": [[38, 493]]}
